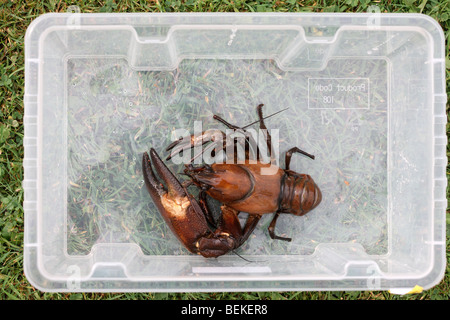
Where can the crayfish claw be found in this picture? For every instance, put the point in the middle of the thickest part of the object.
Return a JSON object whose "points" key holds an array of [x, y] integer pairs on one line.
{"points": [[154, 187], [174, 187], [180, 210]]}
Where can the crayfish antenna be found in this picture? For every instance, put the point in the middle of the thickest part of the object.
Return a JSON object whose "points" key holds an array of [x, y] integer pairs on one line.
{"points": [[250, 261], [241, 256]]}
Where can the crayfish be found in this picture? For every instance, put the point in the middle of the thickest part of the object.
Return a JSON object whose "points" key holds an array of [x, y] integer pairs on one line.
{"points": [[239, 187]]}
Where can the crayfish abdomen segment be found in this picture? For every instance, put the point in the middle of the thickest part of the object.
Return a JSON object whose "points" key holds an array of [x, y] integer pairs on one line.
{"points": [[300, 194]]}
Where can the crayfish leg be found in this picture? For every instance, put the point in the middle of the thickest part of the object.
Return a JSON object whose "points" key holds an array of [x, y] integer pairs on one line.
{"points": [[272, 228]]}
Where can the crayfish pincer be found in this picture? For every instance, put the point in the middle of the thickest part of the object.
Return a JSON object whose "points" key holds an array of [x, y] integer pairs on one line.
{"points": [[186, 217], [238, 186]]}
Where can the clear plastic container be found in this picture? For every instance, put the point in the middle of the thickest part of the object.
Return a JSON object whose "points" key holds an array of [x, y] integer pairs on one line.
{"points": [[365, 94]]}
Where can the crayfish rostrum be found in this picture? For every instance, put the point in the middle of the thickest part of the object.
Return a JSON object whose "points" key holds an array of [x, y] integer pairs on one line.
{"points": [[239, 187]]}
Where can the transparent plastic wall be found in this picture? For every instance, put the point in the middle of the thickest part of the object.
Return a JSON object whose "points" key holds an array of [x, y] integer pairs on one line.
{"points": [[366, 97]]}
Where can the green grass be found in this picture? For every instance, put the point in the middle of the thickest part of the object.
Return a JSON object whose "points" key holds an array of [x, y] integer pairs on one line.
{"points": [[15, 18]]}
